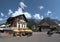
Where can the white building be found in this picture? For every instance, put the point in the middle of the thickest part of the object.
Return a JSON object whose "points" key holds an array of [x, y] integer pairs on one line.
{"points": [[20, 22]]}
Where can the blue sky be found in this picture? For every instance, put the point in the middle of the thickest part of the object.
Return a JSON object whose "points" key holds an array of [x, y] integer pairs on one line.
{"points": [[37, 9]]}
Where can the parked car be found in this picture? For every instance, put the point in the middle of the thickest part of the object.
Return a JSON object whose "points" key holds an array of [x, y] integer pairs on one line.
{"points": [[52, 31]]}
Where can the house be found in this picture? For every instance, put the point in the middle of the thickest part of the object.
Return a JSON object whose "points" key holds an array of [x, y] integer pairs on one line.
{"points": [[20, 22], [2, 25], [44, 27]]}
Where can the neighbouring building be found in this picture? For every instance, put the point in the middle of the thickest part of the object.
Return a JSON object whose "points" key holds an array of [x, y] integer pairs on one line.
{"points": [[20, 22], [46, 27], [2, 25]]}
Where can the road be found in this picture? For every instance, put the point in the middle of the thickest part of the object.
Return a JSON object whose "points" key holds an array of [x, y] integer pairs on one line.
{"points": [[37, 37]]}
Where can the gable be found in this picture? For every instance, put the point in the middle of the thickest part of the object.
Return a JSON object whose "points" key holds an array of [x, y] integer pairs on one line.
{"points": [[19, 17]]}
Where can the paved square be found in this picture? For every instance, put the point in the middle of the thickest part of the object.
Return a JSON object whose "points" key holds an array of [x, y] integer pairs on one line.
{"points": [[37, 37]]}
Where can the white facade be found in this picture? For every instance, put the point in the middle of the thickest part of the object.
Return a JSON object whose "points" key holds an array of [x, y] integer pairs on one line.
{"points": [[22, 24]]}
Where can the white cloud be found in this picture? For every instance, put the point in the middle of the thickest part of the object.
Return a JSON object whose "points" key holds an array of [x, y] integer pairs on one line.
{"points": [[1, 19], [28, 15], [19, 11], [41, 7], [10, 11], [41, 17], [37, 16], [5, 16], [48, 13], [22, 5], [2, 14]]}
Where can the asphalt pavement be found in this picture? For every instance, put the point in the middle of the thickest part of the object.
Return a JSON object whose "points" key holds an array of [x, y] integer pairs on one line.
{"points": [[36, 37]]}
